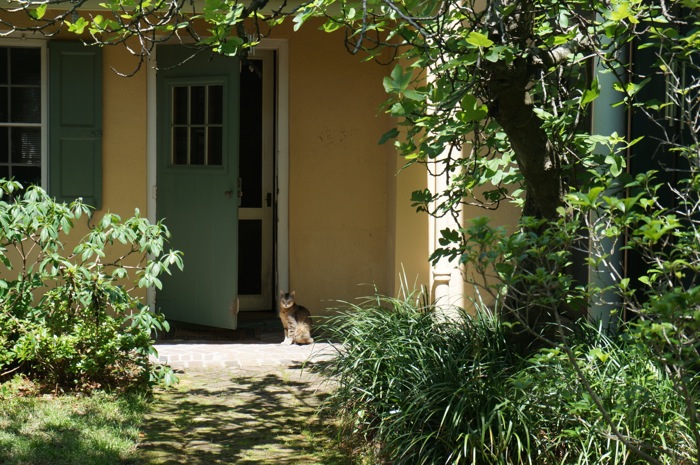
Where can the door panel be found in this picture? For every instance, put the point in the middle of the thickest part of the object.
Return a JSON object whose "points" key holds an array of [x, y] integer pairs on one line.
{"points": [[256, 263], [197, 183]]}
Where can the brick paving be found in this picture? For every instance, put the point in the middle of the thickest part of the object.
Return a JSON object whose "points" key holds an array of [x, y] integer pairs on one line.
{"points": [[263, 350], [245, 401]]}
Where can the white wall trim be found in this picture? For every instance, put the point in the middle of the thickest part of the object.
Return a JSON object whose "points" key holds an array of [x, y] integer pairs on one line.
{"points": [[151, 153], [281, 46]]}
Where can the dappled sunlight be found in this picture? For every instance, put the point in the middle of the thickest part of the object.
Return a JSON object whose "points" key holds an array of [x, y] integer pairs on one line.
{"points": [[243, 417]]}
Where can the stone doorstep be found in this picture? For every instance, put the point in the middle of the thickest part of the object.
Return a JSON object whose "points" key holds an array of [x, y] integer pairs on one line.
{"points": [[238, 355]]}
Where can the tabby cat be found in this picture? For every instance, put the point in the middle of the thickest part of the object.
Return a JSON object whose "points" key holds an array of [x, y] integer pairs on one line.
{"points": [[296, 320]]}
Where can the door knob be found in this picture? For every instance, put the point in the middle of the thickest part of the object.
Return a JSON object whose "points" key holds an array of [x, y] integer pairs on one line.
{"points": [[228, 194]]}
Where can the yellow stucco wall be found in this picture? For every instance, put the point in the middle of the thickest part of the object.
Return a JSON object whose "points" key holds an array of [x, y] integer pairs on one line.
{"points": [[338, 193], [124, 134], [409, 233]]}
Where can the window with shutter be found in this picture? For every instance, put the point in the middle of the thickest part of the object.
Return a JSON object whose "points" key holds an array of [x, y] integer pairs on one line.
{"points": [[21, 129]]}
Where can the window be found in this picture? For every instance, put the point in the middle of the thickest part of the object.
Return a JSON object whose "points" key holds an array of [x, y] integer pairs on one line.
{"points": [[197, 125], [21, 114]]}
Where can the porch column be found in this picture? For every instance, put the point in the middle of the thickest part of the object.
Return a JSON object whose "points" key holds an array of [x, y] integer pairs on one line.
{"points": [[447, 284]]}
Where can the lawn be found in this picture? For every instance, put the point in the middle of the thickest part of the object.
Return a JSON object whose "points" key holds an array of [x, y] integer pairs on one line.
{"points": [[37, 429]]}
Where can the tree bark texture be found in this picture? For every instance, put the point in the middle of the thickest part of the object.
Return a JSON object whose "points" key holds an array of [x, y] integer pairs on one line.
{"points": [[511, 106]]}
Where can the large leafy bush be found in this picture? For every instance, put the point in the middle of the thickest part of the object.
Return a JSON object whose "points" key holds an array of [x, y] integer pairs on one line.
{"points": [[69, 316]]}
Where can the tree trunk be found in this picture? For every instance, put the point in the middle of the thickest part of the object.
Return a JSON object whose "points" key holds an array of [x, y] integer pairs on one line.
{"points": [[512, 108]]}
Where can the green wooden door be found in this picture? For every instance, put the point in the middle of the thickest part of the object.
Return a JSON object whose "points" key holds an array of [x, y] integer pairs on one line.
{"points": [[197, 186]]}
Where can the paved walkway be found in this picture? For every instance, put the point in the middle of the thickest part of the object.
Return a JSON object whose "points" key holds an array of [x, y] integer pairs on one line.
{"points": [[261, 351], [243, 402]]}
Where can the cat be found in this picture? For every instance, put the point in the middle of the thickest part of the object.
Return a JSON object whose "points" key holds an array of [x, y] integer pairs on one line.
{"points": [[296, 320]]}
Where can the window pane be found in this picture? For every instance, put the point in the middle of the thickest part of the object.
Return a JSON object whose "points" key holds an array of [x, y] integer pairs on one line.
{"points": [[26, 146], [4, 105], [216, 104], [3, 65], [20, 103], [249, 257], [25, 66], [180, 146], [25, 104], [215, 147], [27, 175], [4, 145], [197, 104], [180, 105], [5, 172], [197, 146]]}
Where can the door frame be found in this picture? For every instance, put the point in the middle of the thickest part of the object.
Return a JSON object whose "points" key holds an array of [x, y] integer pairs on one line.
{"points": [[281, 260], [265, 212]]}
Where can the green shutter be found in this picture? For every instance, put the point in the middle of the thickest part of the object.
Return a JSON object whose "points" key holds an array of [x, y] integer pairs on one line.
{"points": [[75, 122]]}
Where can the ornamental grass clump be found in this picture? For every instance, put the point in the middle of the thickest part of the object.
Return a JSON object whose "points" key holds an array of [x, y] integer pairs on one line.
{"points": [[424, 389], [69, 316], [421, 389]]}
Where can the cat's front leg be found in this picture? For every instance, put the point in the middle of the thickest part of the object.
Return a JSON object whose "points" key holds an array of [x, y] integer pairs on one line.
{"points": [[292, 330], [288, 336]]}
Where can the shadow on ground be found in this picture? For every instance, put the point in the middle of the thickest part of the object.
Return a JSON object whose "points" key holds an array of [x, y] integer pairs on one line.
{"points": [[240, 417]]}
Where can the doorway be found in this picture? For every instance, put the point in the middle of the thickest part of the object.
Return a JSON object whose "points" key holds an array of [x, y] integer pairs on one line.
{"points": [[278, 50], [257, 190]]}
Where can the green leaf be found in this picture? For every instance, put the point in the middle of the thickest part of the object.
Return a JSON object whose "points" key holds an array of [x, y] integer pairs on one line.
{"points": [[390, 134], [331, 26], [592, 93], [39, 11], [414, 95], [401, 79], [472, 110], [78, 26], [623, 12], [616, 163], [478, 39]]}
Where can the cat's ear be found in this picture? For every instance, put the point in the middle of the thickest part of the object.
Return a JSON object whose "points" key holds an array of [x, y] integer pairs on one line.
{"points": [[292, 294], [281, 293]]}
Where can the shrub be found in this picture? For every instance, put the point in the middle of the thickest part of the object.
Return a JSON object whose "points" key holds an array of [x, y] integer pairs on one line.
{"points": [[638, 397], [70, 319], [423, 390], [426, 390]]}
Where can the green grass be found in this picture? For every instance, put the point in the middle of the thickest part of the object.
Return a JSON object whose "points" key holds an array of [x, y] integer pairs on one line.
{"points": [[35, 429]]}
